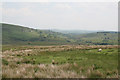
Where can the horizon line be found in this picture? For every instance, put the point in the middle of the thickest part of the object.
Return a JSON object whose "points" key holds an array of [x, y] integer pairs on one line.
{"points": [[54, 28]]}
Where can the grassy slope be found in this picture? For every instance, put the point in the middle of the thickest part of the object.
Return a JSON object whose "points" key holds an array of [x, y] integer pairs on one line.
{"points": [[97, 38], [14, 34], [18, 34]]}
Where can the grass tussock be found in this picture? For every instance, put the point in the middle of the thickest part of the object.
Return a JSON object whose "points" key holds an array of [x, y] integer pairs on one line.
{"points": [[52, 71], [73, 61]]}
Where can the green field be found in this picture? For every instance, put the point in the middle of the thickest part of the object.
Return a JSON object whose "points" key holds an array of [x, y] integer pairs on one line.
{"points": [[69, 61]]}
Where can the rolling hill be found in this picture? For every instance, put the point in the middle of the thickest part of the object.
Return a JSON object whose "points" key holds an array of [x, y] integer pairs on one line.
{"points": [[15, 34], [99, 38]]}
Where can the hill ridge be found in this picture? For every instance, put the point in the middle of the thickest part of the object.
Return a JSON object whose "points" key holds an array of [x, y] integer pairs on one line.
{"points": [[15, 34]]}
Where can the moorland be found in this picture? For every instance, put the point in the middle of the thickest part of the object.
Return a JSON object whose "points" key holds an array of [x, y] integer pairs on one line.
{"points": [[34, 53]]}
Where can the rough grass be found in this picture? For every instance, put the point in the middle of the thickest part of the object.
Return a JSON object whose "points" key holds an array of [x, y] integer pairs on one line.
{"points": [[80, 61]]}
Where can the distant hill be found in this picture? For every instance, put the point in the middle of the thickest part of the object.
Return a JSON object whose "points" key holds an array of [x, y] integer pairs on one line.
{"points": [[77, 32], [15, 34], [98, 38]]}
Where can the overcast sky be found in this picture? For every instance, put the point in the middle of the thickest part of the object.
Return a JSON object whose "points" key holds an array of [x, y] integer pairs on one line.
{"points": [[62, 15]]}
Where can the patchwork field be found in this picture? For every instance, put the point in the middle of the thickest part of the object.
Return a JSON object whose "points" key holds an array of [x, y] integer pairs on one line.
{"points": [[65, 61]]}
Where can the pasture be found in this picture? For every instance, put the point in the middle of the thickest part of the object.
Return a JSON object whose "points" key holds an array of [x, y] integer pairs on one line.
{"points": [[70, 61]]}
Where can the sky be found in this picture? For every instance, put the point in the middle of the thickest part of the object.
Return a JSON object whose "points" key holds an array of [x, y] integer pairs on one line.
{"points": [[62, 15]]}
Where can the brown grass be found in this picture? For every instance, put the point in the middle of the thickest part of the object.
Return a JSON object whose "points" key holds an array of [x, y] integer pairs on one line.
{"points": [[14, 70]]}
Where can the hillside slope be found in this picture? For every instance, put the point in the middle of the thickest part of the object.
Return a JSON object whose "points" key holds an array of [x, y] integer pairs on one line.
{"points": [[99, 38], [14, 34]]}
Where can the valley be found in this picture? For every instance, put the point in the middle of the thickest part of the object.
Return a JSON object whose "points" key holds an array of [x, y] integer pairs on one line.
{"points": [[34, 53]]}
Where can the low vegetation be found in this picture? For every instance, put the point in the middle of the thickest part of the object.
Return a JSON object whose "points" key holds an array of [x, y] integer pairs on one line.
{"points": [[70, 61], [33, 53]]}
